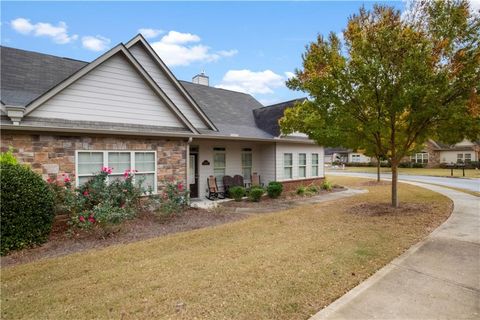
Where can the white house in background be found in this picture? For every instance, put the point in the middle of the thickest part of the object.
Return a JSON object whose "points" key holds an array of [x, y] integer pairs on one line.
{"points": [[342, 155], [127, 110], [435, 153]]}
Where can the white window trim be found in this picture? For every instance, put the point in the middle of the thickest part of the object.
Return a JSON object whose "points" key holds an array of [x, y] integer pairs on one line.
{"points": [[290, 166], [105, 164], [242, 164], [315, 165], [302, 165], [224, 151]]}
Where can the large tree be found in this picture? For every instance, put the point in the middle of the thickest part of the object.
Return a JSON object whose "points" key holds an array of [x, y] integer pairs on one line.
{"points": [[393, 82]]}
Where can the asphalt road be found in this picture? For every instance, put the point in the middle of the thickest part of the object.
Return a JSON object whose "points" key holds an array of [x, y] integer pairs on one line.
{"points": [[472, 184]]}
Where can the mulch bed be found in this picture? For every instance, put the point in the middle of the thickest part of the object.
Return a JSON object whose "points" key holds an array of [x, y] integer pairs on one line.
{"points": [[145, 226], [386, 209]]}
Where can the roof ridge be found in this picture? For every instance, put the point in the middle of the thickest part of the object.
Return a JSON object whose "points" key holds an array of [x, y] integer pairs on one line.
{"points": [[197, 84], [44, 54]]}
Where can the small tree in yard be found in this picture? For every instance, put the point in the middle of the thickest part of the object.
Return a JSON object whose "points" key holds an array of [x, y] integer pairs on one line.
{"points": [[395, 82]]}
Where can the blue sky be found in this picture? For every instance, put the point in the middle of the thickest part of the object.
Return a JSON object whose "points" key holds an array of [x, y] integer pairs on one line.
{"points": [[246, 46]]}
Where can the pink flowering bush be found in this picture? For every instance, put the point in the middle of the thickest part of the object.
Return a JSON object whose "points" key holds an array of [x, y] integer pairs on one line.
{"points": [[61, 185], [104, 203], [173, 199]]}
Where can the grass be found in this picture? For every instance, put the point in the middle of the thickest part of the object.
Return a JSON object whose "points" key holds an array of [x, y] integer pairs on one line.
{"points": [[285, 265], [437, 172]]}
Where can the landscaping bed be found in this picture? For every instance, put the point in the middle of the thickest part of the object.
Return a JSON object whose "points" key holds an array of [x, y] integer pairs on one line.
{"points": [[63, 241], [145, 226]]}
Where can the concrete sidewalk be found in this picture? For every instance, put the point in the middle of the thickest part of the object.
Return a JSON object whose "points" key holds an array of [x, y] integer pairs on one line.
{"points": [[438, 278]]}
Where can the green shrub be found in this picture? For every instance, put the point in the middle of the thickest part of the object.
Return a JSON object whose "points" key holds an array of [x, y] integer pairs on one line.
{"points": [[8, 157], [274, 189], [174, 199], [418, 165], [236, 192], [64, 194], [327, 185], [27, 207], [256, 194], [103, 204], [300, 191], [313, 188]]}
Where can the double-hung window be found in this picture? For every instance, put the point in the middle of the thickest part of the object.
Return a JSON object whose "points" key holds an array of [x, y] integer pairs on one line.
{"points": [[287, 165], [468, 157], [302, 165], [421, 157], [143, 163], [247, 163], [459, 157], [315, 164], [219, 164]]}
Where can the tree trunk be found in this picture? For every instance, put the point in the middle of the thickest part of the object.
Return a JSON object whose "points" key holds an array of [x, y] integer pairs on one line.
{"points": [[378, 169], [394, 185]]}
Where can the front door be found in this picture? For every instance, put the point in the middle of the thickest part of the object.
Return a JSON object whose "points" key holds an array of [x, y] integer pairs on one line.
{"points": [[193, 175]]}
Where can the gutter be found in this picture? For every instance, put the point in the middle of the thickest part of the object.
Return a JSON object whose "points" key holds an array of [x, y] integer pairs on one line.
{"points": [[149, 134]]}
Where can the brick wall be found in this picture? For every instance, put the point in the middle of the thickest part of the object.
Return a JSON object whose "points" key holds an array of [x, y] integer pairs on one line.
{"points": [[50, 154], [292, 185]]}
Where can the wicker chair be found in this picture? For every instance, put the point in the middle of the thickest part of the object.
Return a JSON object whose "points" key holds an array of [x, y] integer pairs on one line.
{"points": [[213, 191]]}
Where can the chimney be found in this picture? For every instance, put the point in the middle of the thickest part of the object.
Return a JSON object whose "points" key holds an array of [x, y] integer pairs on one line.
{"points": [[201, 78]]}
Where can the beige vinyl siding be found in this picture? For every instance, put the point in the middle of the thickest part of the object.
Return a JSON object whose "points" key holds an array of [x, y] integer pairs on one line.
{"points": [[233, 159], [167, 86], [267, 163], [295, 150], [112, 92]]}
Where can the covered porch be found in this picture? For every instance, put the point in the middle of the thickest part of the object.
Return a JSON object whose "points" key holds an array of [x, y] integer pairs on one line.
{"points": [[220, 158]]}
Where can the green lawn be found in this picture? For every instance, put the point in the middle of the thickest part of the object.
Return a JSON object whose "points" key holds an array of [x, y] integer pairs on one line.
{"points": [[469, 173], [285, 265]]}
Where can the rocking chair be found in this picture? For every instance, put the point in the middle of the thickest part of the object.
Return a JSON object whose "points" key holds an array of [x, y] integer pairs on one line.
{"points": [[213, 191]]}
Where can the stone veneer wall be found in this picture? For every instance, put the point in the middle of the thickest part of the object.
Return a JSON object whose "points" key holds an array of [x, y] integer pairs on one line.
{"points": [[292, 185], [51, 154], [433, 155]]}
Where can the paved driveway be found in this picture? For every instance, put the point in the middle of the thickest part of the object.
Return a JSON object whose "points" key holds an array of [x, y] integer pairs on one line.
{"points": [[472, 184], [438, 278]]}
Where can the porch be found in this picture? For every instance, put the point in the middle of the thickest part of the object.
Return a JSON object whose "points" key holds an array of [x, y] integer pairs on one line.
{"points": [[226, 157], [287, 162]]}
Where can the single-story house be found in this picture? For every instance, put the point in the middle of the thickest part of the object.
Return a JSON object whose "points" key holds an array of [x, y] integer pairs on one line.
{"points": [[435, 153], [342, 155], [127, 110]]}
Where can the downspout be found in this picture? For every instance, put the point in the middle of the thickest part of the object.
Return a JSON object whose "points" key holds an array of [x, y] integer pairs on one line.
{"points": [[189, 141]]}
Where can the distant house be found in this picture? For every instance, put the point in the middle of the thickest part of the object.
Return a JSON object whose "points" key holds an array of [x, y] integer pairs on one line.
{"points": [[342, 155], [435, 153], [127, 110]]}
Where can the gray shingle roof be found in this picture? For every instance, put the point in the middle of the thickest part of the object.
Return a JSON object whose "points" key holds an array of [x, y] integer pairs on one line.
{"points": [[267, 118], [230, 111], [25, 75]]}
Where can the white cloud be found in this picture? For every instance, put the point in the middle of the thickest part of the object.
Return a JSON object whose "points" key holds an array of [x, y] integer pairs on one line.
{"points": [[182, 49], [150, 33], [175, 37], [475, 5], [227, 53], [95, 43], [251, 82], [57, 33], [289, 74]]}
